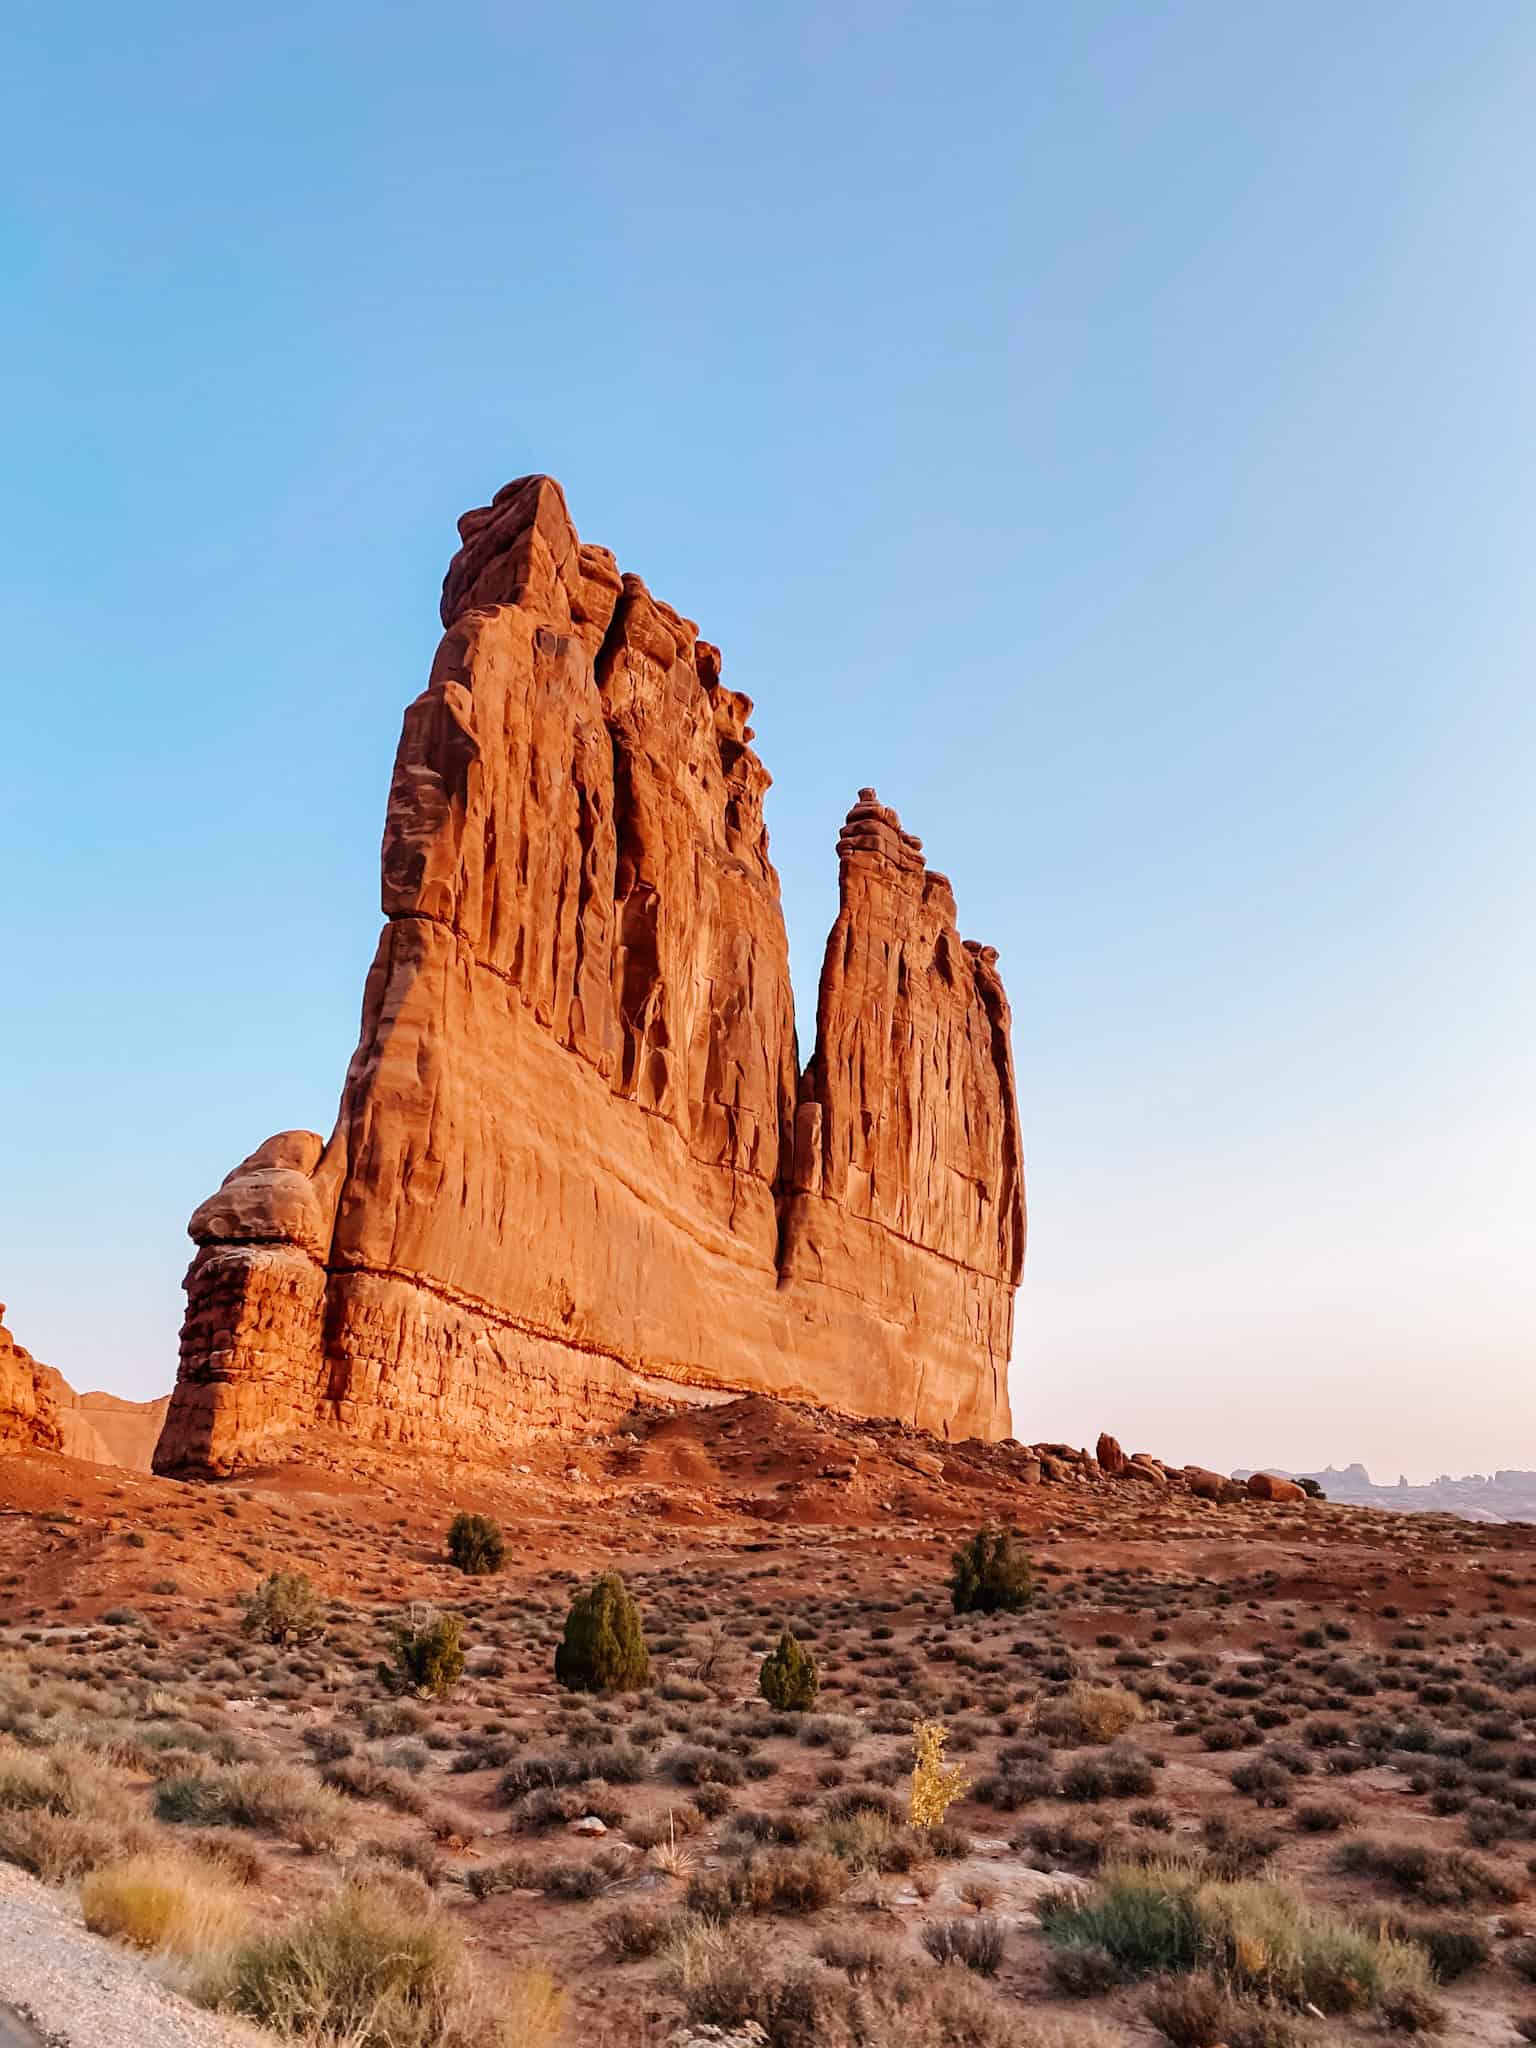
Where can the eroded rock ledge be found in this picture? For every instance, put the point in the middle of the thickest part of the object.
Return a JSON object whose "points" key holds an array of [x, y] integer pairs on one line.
{"points": [[575, 1152]]}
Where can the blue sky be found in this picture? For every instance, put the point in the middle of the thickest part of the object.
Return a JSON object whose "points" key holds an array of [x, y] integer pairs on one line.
{"points": [[1106, 429]]}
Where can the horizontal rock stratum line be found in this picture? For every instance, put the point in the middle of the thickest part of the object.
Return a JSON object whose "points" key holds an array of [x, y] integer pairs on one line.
{"points": [[576, 1154]]}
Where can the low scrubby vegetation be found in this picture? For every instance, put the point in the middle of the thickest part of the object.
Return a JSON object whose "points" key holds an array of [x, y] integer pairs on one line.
{"points": [[1269, 1802], [476, 1545], [427, 1656], [1254, 1935], [165, 1904], [371, 1969], [989, 1576], [285, 1608]]}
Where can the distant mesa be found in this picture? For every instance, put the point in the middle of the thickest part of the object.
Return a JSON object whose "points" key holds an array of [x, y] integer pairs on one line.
{"points": [[577, 1160]]}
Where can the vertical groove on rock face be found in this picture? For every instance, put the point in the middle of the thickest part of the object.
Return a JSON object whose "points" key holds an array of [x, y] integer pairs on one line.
{"points": [[574, 1151]]}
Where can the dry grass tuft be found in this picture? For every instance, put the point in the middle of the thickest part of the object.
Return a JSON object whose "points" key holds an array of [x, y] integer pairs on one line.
{"points": [[160, 1903], [1089, 1713], [368, 1971]]}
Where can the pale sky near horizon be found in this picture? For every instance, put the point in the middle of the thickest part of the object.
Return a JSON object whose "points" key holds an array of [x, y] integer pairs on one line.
{"points": [[1107, 430]]}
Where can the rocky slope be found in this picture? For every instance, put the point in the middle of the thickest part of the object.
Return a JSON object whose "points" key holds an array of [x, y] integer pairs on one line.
{"points": [[576, 1159]]}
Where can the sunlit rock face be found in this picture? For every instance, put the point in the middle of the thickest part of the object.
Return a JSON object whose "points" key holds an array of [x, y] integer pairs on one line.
{"points": [[577, 1161]]}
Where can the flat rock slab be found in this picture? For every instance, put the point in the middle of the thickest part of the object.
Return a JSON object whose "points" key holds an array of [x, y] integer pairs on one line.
{"points": [[1017, 1888]]}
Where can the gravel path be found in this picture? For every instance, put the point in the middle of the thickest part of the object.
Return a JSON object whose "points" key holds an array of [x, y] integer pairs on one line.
{"points": [[81, 1992]]}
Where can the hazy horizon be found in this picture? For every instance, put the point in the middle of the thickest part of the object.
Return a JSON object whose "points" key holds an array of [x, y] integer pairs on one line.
{"points": [[1106, 436]]}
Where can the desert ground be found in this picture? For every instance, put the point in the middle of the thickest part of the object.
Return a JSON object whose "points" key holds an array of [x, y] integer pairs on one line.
{"points": [[1319, 1717]]}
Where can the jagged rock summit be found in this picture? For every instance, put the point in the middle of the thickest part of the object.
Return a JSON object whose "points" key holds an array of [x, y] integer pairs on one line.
{"points": [[576, 1161]]}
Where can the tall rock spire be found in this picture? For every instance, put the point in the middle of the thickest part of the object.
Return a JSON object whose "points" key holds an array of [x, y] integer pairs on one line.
{"points": [[575, 1162]]}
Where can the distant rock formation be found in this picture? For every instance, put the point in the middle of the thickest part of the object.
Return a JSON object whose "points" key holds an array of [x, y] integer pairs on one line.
{"points": [[1504, 1496], [105, 1429], [576, 1159], [40, 1411]]}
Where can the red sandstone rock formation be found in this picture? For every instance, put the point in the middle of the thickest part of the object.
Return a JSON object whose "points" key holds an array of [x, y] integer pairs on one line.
{"points": [[1111, 1458], [40, 1411], [29, 1416], [575, 1160]]}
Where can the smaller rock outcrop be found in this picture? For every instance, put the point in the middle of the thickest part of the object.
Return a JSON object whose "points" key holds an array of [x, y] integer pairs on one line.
{"points": [[29, 1415], [1111, 1458], [40, 1411]]}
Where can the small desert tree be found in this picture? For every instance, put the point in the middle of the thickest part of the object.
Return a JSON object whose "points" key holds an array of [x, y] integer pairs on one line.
{"points": [[476, 1545], [788, 1679], [989, 1576], [428, 1652], [604, 1645], [284, 1608], [936, 1785]]}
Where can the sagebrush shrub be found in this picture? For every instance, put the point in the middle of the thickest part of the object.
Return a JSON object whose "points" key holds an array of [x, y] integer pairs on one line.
{"points": [[770, 1881], [1256, 1937], [279, 1798], [1441, 1877], [976, 1942]]}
